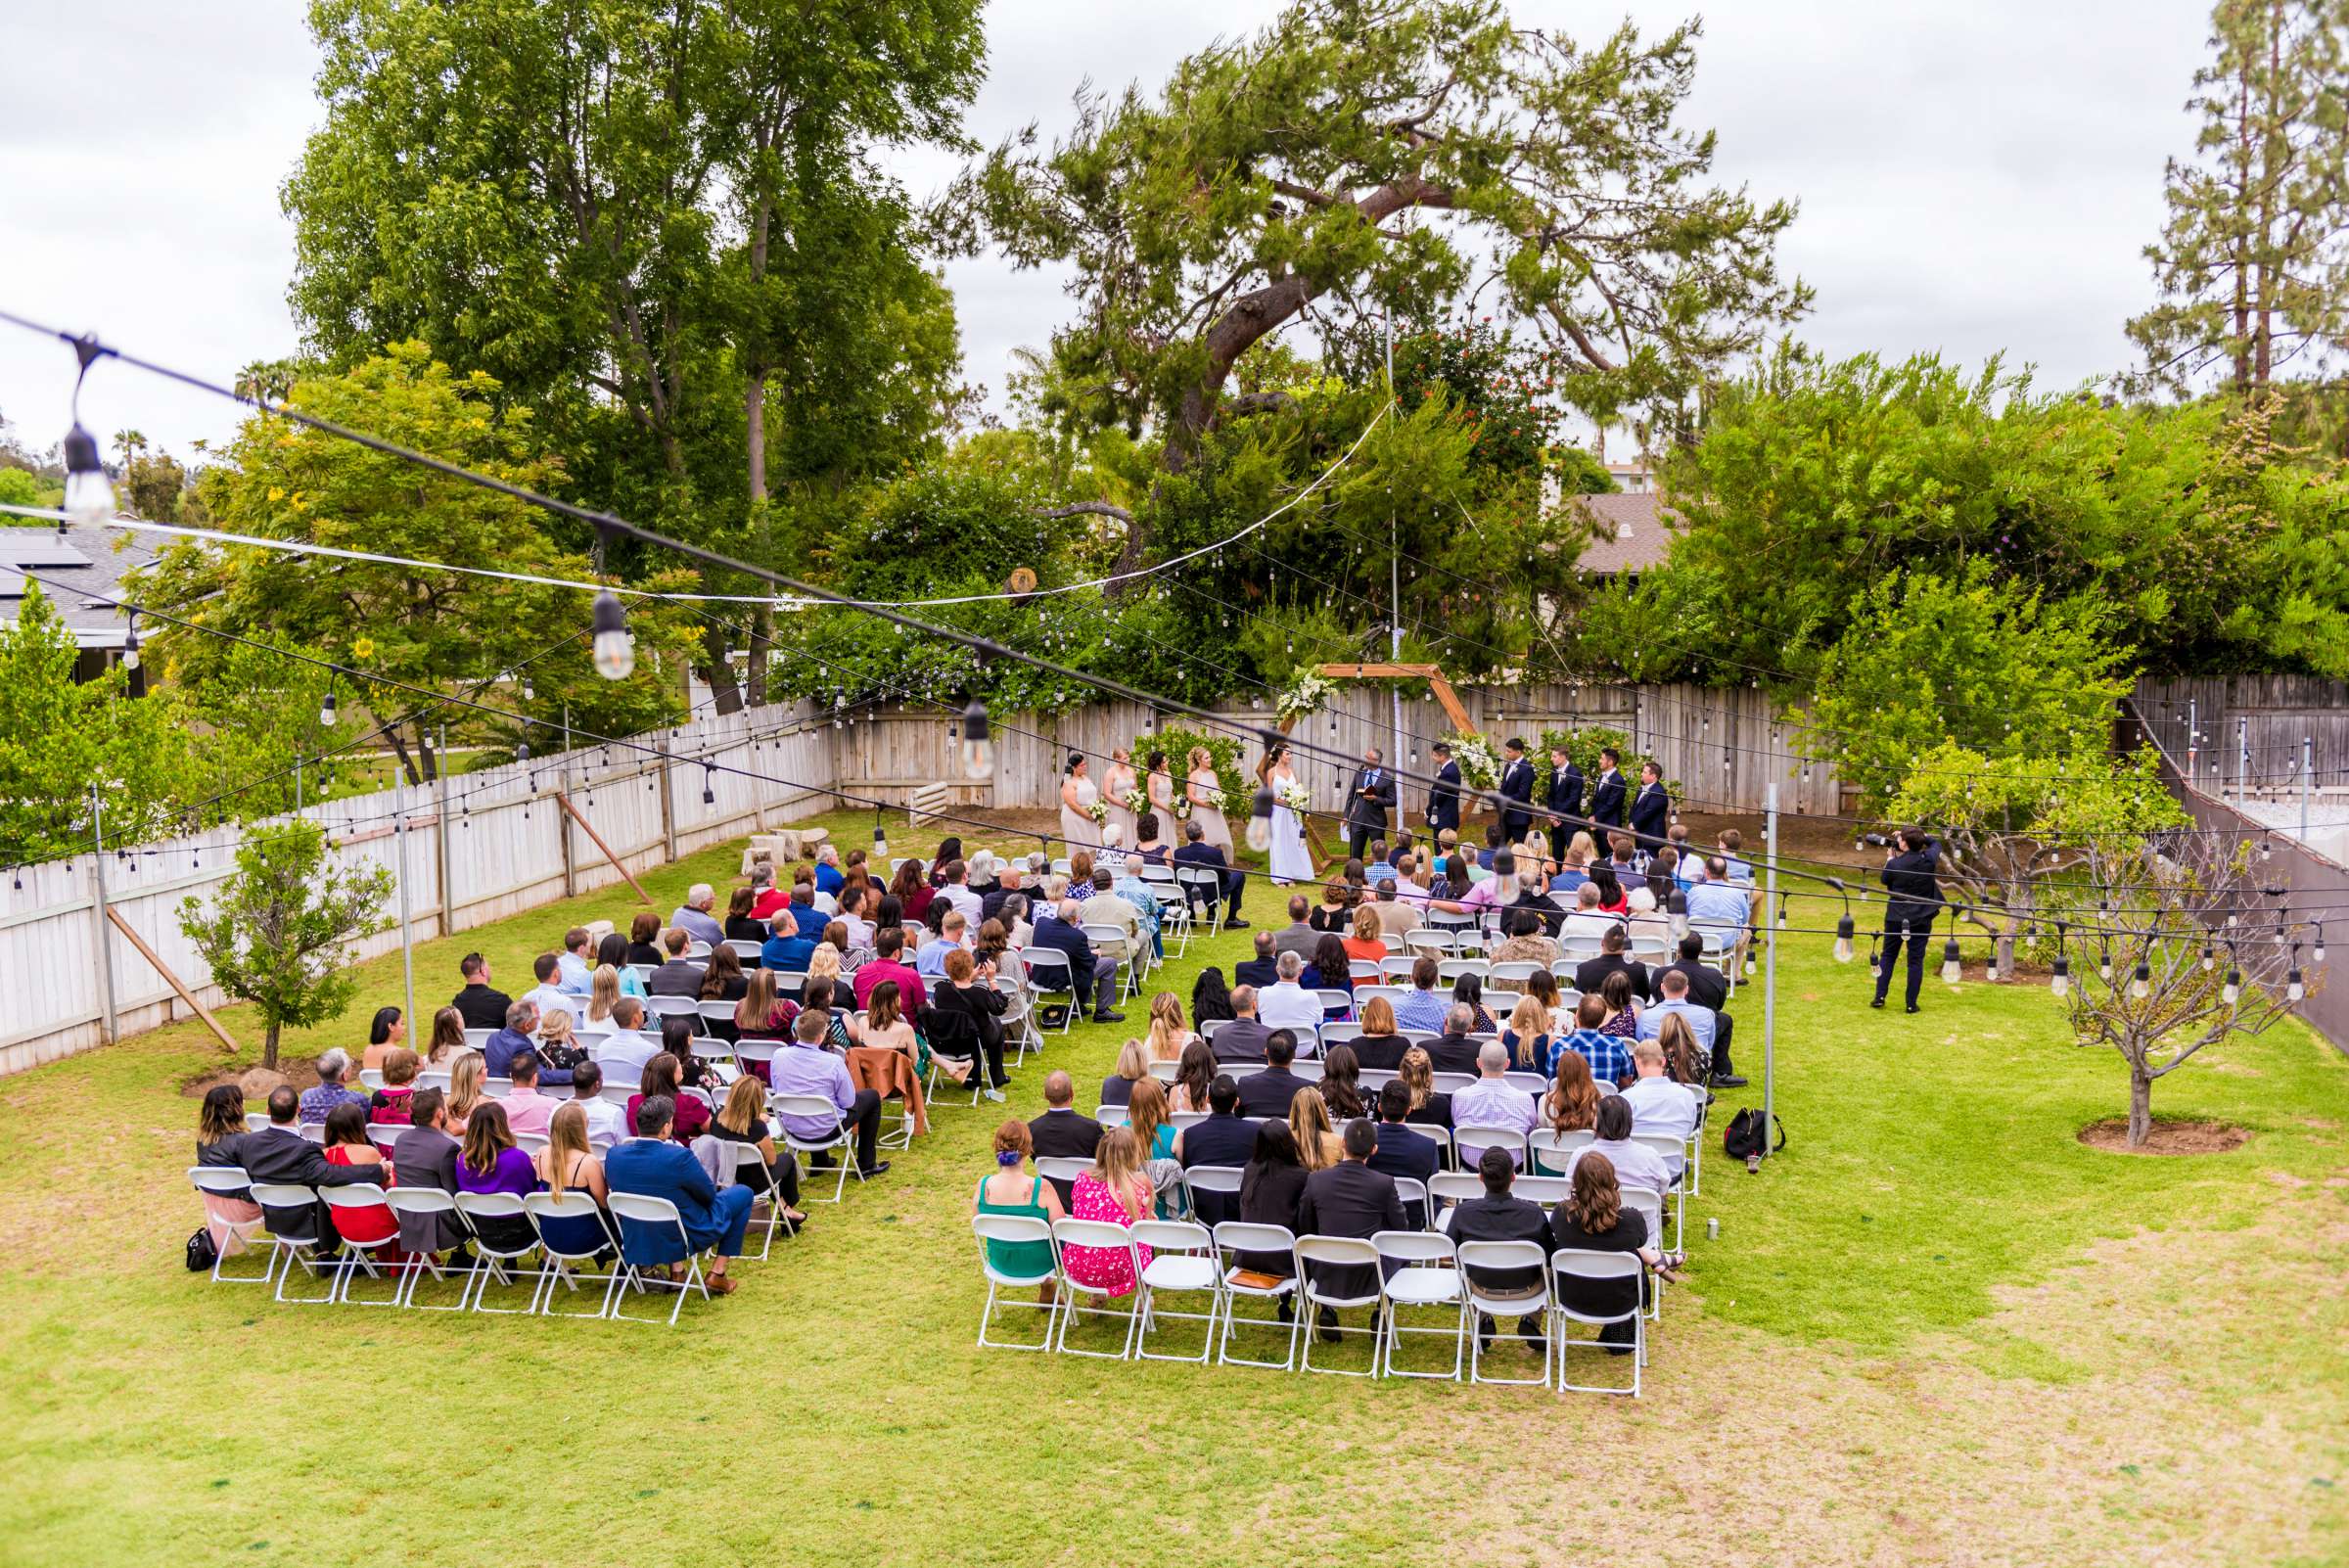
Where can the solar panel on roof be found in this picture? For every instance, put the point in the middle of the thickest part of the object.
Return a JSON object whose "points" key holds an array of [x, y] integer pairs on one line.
{"points": [[39, 552]]}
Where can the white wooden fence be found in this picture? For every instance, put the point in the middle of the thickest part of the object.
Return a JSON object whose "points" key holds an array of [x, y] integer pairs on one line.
{"points": [[479, 847]]}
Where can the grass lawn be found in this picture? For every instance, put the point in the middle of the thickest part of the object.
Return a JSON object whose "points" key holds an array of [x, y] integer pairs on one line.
{"points": [[1938, 1329]]}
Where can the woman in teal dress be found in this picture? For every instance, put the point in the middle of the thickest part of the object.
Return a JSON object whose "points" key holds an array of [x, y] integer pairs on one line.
{"points": [[1148, 1114], [1014, 1189]]}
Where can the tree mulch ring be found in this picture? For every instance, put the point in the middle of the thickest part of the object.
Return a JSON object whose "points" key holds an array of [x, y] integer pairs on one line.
{"points": [[2166, 1137]]}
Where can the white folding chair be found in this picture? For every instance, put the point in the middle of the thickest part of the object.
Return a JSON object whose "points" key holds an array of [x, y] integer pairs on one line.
{"points": [[1448, 1187], [479, 1038], [1109, 941], [1048, 975], [675, 1008], [296, 1209], [1182, 1260], [1514, 973], [1232, 1238], [1014, 1228], [840, 1141], [750, 1171], [1547, 1190], [490, 1261], [1210, 882], [1546, 1149], [227, 1181], [371, 1078], [418, 1203], [561, 1270], [747, 951], [1670, 1150], [1335, 1000], [360, 1259], [1584, 1264], [654, 1216], [1648, 1203], [1098, 1235], [1429, 1279], [1111, 1116], [1481, 1303], [383, 1134], [1472, 1142], [1337, 1252]]}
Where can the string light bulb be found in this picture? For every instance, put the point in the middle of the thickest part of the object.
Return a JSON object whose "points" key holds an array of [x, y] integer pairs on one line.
{"points": [[1843, 940], [1951, 965], [2295, 989], [977, 750], [130, 642], [708, 785], [2318, 954], [326, 709], [2104, 966], [89, 493], [2059, 976], [2141, 984], [1260, 819], [615, 645], [2232, 991], [880, 838], [2210, 957]]}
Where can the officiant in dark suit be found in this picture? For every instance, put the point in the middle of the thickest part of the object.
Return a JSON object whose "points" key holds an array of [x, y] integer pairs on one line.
{"points": [[1367, 804]]}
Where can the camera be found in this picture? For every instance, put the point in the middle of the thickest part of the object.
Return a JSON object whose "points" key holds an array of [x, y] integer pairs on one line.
{"points": [[1877, 840]]}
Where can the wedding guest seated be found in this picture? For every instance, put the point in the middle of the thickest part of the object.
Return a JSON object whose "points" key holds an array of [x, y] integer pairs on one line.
{"points": [[1498, 1216], [575, 965], [1454, 1051], [1525, 943], [689, 1116], [1590, 975], [644, 934], [548, 993], [448, 1037], [386, 1033], [966, 994], [489, 1160], [1673, 987], [623, 1053], [1272, 1187], [1379, 1047], [481, 1007], [569, 1164], [1243, 1039], [1268, 1092], [219, 1130], [1134, 1065], [1635, 1164], [526, 1109], [1342, 1083], [654, 1166], [954, 936], [1572, 1103], [888, 945], [1416, 1073], [1527, 1036], [1062, 1132], [1401, 1152], [1661, 1106], [330, 1091], [1594, 1218], [499, 1053], [677, 976], [1362, 945], [1261, 970], [742, 1121], [1117, 1190], [1348, 1199], [426, 1156], [1194, 1074], [388, 1105], [1424, 1008], [1491, 1102], [606, 1126], [1196, 851], [1011, 1188], [347, 1146], [788, 947], [1317, 1143], [805, 1067], [1224, 1138], [1287, 1003], [741, 925]]}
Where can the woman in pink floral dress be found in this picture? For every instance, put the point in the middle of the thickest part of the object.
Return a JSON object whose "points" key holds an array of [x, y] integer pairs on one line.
{"points": [[1117, 1190]]}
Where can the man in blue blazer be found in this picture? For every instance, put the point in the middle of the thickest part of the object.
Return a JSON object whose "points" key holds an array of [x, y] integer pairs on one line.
{"points": [[651, 1165]]}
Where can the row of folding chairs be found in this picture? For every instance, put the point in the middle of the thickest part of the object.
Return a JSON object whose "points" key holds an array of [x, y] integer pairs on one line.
{"points": [[1423, 1273], [622, 1238]]}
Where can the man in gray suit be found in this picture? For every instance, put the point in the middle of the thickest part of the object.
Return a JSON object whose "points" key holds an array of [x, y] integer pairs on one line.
{"points": [[426, 1156]]}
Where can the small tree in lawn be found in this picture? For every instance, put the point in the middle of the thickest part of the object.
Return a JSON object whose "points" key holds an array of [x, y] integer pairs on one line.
{"points": [[2182, 948], [279, 932]]}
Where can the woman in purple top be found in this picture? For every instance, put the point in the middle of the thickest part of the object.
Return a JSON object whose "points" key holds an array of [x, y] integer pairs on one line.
{"points": [[490, 1162]]}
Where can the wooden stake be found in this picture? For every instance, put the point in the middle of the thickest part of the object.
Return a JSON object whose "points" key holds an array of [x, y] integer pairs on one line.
{"points": [[573, 812], [209, 1022]]}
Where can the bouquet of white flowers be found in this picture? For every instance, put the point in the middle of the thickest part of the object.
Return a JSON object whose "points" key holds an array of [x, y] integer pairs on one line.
{"points": [[1212, 798], [1297, 797], [1182, 808], [1098, 812], [1135, 800]]}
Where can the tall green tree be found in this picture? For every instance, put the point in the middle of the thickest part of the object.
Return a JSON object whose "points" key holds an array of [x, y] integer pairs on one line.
{"points": [[2254, 260], [658, 222], [58, 737], [443, 631], [1360, 154], [279, 930]]}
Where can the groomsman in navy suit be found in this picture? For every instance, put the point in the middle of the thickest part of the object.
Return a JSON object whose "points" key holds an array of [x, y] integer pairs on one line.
{"points": [[1443, 799], [1606, 795], [1516, 792]]}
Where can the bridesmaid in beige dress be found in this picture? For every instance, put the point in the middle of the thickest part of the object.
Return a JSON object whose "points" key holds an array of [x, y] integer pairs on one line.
{"points": [[1120, 828], [1201, 779], [1078, 829], [1161, 797]]}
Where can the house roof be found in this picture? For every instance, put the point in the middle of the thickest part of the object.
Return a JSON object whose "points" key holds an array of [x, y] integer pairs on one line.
{"points": [[75, 566], [1630, 532]]}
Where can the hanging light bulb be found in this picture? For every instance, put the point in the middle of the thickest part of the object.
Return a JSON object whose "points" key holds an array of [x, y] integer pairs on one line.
{"points": [[978, 752], [2141, 984], [1843, 940], [880, 839], [2059, 976], [614, 646], [1951, 965], [89, 493], [1260, 819], [2104, 966], [326, 709], [2210, 957], [2320, 952], [708, 785], [2232, 991], [2267, 850], [2294, 987], [130, 642]]}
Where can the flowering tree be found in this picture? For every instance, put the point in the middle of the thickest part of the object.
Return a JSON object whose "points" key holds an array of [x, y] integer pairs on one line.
{"points": [[2183, 949]]}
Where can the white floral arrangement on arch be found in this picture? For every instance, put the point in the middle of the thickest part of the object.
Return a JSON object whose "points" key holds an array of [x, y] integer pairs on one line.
{"points": [[1479, 770], [1302, 695]]}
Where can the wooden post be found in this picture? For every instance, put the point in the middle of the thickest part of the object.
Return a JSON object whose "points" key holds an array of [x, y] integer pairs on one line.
{"points": [[209, 1022], [1431, 673], [573, 815], [668, 811], [570, 859]]}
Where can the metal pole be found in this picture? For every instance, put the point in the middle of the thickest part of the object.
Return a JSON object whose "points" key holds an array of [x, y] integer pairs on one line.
{"points": [[106, 943], [297, 786], [2307, 762], [443, 859], [1394, 577], [2193, 736], [669, 809], [2242, 754], [407, 931], [1770, 971]]}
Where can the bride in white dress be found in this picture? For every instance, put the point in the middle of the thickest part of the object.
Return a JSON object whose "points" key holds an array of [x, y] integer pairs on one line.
{"points": [[1291, 861]]}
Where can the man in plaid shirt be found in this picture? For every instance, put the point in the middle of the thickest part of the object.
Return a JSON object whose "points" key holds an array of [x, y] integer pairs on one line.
{"points": [[1609, 1055]]}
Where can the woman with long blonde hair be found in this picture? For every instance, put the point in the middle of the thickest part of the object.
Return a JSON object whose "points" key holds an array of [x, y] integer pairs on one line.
{"points": [[1416, 1072], [1116, 1191], [602, 994], [1684, 1058], [742, 1119], [1317, 1143], [1526, 1037], [567, 1161], [466, 1074], [1168, 1033]]}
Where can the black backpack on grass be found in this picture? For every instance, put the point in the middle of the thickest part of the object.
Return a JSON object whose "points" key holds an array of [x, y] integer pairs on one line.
{"points": [[201, 1252]]}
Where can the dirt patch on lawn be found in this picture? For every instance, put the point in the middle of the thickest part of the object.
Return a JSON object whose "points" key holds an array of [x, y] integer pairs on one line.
{"points": [[2166, 1137], [255, 1082]]}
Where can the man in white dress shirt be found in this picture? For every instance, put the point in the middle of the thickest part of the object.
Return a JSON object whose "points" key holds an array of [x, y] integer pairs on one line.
{"points": [[1658, 1104], [623, 1053], [1286, 1004]]}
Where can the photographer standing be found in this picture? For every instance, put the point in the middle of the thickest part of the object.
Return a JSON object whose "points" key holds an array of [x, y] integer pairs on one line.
{"points": [[1911, 899]]}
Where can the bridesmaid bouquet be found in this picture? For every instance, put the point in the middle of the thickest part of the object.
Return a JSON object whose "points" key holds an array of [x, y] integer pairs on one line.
{"points": [[1297, 797], [1211, 797], [1135, 800], [1182, 808], [1098, 812]]}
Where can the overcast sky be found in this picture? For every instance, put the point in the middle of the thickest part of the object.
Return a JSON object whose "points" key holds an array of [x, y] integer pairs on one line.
{"points": [[1974, 176]]}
